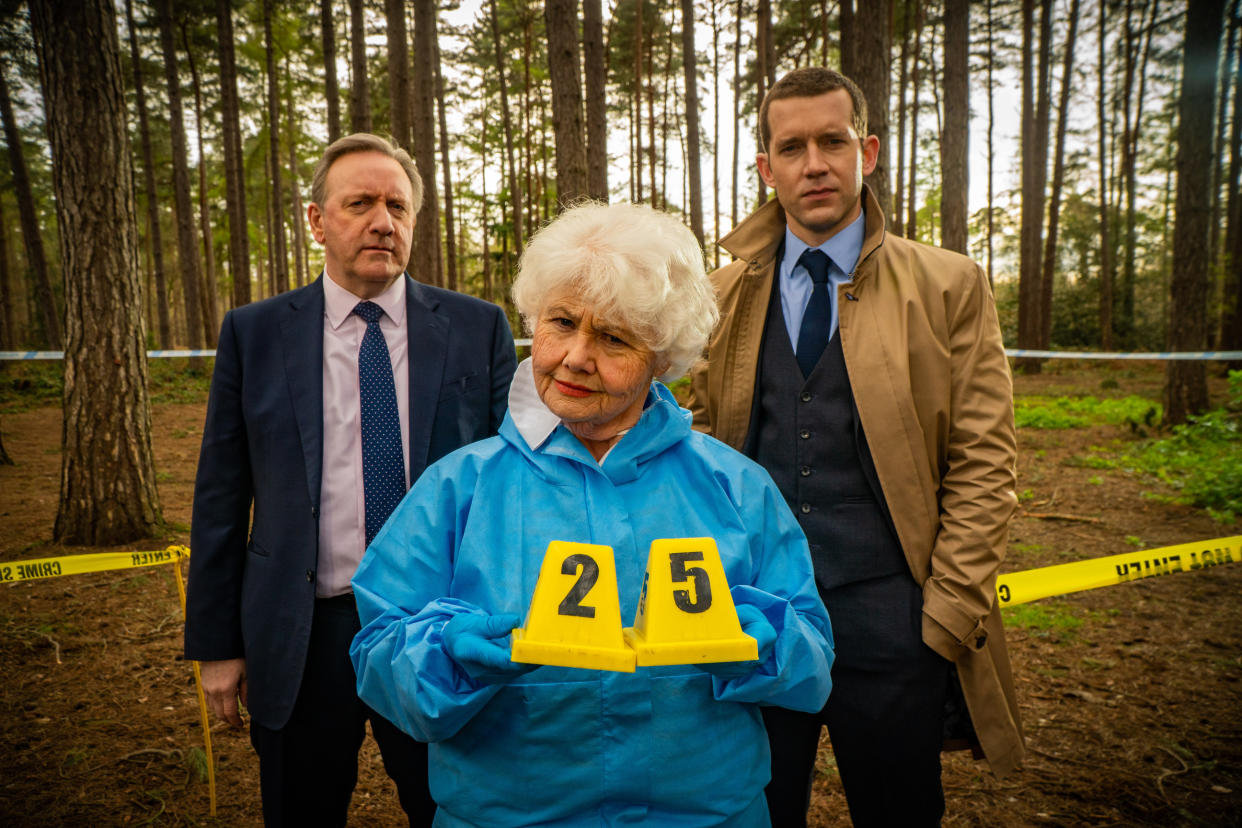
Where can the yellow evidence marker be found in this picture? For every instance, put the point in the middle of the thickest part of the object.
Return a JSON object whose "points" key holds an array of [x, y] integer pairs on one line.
{"points": [[685, 613], [574, 619]]}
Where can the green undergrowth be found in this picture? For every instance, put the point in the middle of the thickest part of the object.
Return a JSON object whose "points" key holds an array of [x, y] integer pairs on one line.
{"points": [[1202, 460], [35, 384], [1044, 412]]}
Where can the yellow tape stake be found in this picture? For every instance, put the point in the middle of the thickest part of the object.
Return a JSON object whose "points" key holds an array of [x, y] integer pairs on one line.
{"points": [[14, 571], [202, 702], [1033, 584]]}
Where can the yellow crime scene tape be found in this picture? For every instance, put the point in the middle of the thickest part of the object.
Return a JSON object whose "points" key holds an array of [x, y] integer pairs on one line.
{"points": [[1011, 588], [1033, 584], [15, 571]]}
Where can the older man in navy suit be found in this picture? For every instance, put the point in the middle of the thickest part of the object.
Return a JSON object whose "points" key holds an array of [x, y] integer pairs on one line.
{"points": [[326, 403]]}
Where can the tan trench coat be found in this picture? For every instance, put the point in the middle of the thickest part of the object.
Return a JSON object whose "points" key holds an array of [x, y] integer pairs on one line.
{"points": [[926, 364]]}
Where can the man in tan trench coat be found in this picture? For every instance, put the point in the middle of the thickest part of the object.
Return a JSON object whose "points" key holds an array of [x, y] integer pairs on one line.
{"points": [[867, 374]]}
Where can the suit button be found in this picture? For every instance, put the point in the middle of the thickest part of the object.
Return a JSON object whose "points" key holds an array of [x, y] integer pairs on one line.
{"points": [[805, 434], [805, 471], [314, 513], [310, 576], [806, 508], [805, 396]]}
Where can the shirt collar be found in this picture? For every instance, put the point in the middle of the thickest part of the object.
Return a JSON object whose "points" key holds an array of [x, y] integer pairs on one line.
{"points": [[843, 248], [339, 303]]}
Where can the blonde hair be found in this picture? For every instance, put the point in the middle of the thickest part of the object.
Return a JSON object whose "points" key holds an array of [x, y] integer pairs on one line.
{"points": [[634, 266]]}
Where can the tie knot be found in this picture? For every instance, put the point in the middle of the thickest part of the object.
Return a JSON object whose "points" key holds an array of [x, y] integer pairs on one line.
{"points": [[816, 264], [369, 311]]}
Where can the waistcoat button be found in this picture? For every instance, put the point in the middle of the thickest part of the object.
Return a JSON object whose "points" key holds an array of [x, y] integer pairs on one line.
{"points": [[806, 396], [805, 434], [806, 508], [805, 471]]}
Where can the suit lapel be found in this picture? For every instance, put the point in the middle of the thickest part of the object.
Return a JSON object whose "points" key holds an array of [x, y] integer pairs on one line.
{"points": [[301, 335], [427, 334]]}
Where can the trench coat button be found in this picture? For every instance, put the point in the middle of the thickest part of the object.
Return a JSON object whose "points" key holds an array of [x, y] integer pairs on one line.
{"points": [[805, 434], [805, 396], [806, 508], [310, 576], [980, 641], [805, 471]]}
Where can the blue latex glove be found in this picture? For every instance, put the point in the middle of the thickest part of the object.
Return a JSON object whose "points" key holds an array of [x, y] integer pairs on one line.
{"points": [[474, 643], [756, 625]]}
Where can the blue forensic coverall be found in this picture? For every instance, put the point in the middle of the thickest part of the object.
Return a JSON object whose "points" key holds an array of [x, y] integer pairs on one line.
{"points": [[668, 746]]}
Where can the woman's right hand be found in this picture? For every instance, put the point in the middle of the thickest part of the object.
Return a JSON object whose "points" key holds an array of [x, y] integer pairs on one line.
{"points": [[475, 643]]}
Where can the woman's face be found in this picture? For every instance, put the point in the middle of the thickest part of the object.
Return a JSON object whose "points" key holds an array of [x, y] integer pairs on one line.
{"points": [[592, 374]]}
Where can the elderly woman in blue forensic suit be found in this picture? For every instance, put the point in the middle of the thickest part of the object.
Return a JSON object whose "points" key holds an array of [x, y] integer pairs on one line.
{"points": [[593, 450]]}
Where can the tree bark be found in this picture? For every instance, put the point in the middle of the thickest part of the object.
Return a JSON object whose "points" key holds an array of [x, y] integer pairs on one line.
{"points": [[765, 56], [8, 334], [715, 133], [280, 254], [564, 69], [1231, 313], [211, 322], [429, 266], [36, 261], [108, 493], [359, 88], [896, 219], [187, 245], [955, 143], [450, 229], [506, 119], [693, 169], [332, 89], [1034, 176], [1185, 387], [596, 68], [300, 265], [234, 172], [991, 219], [1058, 178], [399, 115], [154, 240], [912, 203], [1106, 243], [873, 45]]}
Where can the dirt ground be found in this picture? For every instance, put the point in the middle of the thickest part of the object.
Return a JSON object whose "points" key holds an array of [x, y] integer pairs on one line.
{"points": [[1130, 695]]}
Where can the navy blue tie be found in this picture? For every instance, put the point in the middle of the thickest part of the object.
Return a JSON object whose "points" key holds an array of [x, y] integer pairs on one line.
{"points": [[813, 335], [383, 462]]}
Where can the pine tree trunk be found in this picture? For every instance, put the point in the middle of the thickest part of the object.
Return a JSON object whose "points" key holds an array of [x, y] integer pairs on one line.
{"points": [[211, 322], [398, 72], [234, 173], [1231, 313], [187, 245], [912, 203], [36, 261], [1058, 178], [506, 120], [1106, 243], [897, 217], [693, 169], [596, 70], [764, 54], [637, 164], [450, 229], [715, 254], [1185, 388], [359, 88], [154, 241], [332, 88], [991, 144], [1034, 152], [564, 69], [426, 263], [280, 253], [108, 493], [300, 265], [954, 148], [8, 335], [873, 45]]}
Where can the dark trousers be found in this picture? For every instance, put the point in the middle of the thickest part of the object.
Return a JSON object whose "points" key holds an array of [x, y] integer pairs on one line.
{"points": [[885, 714], [308, 768]]}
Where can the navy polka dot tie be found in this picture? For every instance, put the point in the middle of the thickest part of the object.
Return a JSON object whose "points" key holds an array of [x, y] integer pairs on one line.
{"points": [[813, 335], [383, 462]]}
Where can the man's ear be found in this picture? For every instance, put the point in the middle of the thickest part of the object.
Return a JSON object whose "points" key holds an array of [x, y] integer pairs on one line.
{"points": [[870, 154], [314, 216], [765, 169]]}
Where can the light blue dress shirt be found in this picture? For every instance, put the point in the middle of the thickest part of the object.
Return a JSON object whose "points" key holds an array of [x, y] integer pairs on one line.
{"points": [[842, 250]]}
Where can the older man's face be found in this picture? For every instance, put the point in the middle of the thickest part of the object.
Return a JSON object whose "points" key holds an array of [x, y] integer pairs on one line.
{"points": [[365, 223]]}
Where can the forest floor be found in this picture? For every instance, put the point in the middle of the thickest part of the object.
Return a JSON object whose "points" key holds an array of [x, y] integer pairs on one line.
{"points": [[1131, 695]]}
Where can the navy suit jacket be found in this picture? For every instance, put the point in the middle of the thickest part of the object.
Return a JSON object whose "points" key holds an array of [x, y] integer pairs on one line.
{"points": [[252, 579]]}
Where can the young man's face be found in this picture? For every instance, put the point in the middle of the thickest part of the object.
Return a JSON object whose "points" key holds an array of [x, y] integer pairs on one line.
{"points": [[816, 162]]}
